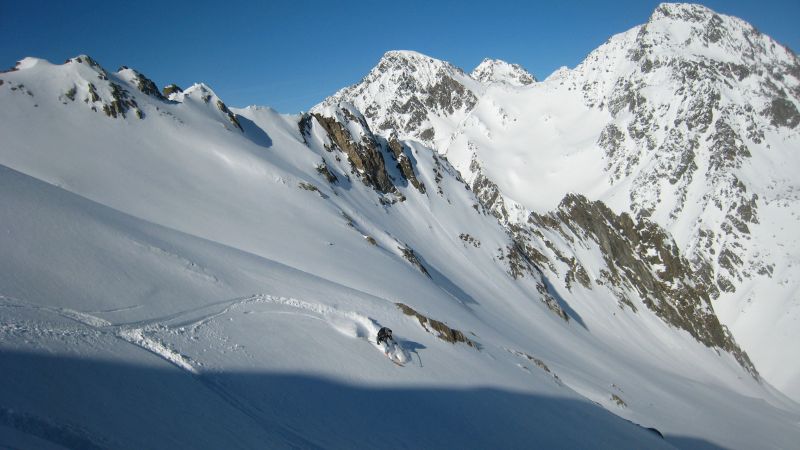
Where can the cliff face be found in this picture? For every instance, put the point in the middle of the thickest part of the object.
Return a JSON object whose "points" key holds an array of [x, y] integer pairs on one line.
{"points": [[640, 260]]}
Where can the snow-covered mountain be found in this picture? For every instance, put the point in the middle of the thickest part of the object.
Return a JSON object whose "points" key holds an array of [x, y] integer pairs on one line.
{"points": [[178, 273], [417, 96], [689, 121], [498, 71]]}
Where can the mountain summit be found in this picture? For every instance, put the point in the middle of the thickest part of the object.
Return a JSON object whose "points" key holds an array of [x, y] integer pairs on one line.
{"points": [[495, 70], [410, 94]]}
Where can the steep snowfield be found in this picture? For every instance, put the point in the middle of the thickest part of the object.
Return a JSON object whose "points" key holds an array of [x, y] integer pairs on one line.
{"points": [[174, 273], [156, 351], [528, 143]]}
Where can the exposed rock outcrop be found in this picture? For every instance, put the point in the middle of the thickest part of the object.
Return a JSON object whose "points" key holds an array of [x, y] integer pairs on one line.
{"points": [[231, 116], [441, 329], [404, 163], [171, 89], [363, 152], [640, 257]]}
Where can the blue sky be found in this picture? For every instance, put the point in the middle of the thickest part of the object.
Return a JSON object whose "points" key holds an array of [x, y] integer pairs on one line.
{"points": [[291, 54]]}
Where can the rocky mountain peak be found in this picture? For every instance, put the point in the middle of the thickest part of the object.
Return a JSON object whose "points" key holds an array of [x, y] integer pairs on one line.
{"points": [[688, 12], [85, 60], [406, 92], [496, 70], [697, 32], [677, 33], [722, 89], [424, 69]]}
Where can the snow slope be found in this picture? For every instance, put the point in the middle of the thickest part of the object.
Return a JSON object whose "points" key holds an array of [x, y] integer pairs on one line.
{"points": [[269, 370], [175, 273]]}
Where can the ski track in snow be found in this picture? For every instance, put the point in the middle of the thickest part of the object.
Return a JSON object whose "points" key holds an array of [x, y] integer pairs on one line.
{"points": [[142, 334]]}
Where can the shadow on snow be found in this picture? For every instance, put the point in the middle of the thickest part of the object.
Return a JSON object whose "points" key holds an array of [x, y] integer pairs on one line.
{"points": [[87, 403]]}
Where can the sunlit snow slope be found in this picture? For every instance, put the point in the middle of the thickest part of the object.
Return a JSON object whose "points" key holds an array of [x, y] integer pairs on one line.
{"points": [[176, 273]]}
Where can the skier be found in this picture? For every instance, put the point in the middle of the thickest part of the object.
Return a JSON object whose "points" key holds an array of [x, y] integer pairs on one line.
{"points": [[390, 347], [385, 335]]}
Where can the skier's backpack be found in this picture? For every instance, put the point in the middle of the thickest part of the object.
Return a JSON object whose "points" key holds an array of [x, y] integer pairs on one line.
{"points": [[384, 335]]}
